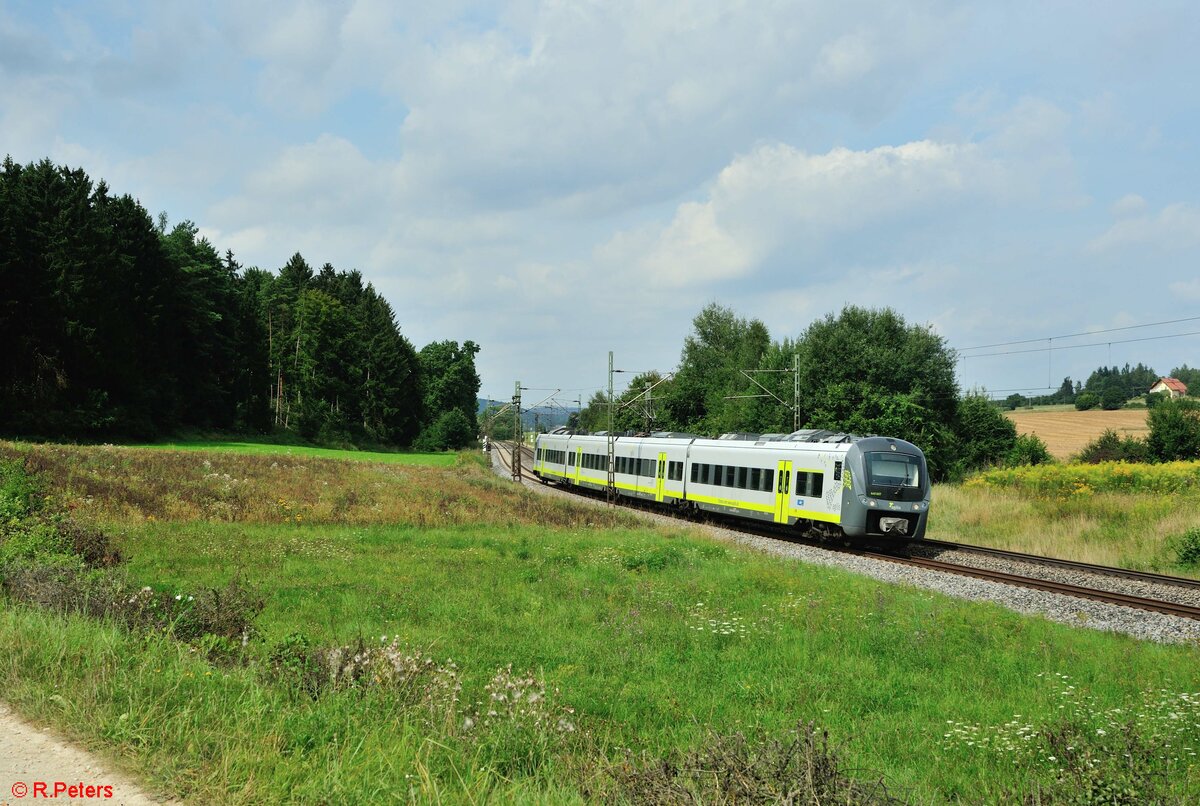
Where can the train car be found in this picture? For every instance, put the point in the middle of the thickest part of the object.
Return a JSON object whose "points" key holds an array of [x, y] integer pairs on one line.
{"points": [[823, 483]]}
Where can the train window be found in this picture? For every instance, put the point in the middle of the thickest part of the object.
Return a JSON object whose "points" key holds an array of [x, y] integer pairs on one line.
{"points": [[672, 469], [695, 472], [742, 473], [730, 472], [717, 473], [755, 478], [768, 480], [810, 483]]}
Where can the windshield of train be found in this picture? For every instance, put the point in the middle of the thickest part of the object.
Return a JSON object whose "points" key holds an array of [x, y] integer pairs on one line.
{"points": [[895, 476]]}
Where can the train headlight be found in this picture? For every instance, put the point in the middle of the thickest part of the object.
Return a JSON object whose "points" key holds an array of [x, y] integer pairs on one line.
{"points": [[871, 502], [916, 507]]}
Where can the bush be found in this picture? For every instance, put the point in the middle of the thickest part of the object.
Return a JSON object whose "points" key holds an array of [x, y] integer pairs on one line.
{"points": [[1027, 450], [1110, 447], [1175, 430], [1112, 399], [452, 430], [1187, 547], [985, 436]]}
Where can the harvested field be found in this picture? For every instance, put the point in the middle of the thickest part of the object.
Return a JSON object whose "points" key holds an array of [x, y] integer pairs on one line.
{"points": [[1066, 431]]}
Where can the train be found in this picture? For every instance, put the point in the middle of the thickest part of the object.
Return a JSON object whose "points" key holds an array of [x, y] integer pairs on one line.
{"points": [[825, 484]]}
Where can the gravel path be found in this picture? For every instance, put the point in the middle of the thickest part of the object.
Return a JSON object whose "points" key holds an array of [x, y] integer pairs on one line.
{"points": [[1065, 609], [30, 756]]}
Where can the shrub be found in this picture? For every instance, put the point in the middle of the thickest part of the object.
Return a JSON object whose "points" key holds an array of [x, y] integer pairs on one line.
{"points": [[1086, 401], [452, 430], [1175, 430], [1111, 447], [985, 436], [1112, 399], [1027, 450], [1187, 547]]}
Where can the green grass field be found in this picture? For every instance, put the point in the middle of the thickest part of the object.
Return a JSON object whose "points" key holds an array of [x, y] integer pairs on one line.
{"points": [[405, 458], [638, 643]]}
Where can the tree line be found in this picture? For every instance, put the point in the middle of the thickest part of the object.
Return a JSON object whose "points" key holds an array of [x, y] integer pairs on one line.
{"points": [[862, 371], [1108, 388], [116, 326]]}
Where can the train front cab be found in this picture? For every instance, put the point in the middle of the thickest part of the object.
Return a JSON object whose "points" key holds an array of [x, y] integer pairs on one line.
{"points": [[885, 490]]}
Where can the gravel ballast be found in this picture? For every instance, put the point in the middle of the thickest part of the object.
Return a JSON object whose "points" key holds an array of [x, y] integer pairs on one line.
{"points": [[1139, 624]]}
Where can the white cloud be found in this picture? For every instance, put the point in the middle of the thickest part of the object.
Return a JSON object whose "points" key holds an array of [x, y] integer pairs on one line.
{"points": [[647, 98], [1128, 205], [1175, 227], [1186, 289], [780, 200]]}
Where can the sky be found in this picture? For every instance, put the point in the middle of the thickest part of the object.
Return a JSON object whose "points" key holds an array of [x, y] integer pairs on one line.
{"points": [[554, 180]]}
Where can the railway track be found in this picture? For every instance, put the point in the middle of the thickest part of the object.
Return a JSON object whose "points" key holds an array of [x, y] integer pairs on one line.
{"points": [[503, 451], [908, 554], [1073, 565]]}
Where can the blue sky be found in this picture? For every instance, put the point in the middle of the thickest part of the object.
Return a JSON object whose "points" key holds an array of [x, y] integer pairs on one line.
{"points": [[555, 180]]}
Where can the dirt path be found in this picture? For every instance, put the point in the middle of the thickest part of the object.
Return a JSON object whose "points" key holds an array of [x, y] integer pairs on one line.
{"points": [[31, 757]]}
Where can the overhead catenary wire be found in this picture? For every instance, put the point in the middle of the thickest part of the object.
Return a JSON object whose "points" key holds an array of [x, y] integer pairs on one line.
{"points": [[1081, 346], [1077, 335]]}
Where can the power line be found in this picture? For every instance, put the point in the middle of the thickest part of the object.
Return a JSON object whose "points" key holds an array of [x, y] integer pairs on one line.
{"points": [[1079, 346], [1075, 335]]}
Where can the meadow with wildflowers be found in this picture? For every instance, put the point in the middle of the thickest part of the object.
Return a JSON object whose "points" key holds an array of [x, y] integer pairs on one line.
{"points": [[1136, 516], [442, 635]]}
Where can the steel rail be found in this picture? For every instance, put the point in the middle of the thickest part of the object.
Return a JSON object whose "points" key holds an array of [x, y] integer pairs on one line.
{"points": [[1075, 565], [1063, 588]]}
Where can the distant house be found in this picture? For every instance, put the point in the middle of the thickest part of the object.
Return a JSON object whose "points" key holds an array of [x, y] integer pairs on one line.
{"points": [[1172, 386]]}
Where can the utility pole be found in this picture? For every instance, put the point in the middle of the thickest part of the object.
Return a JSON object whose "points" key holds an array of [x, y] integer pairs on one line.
{"points": [[611, 490], [649, 407], [516, 454], [795, 392]]}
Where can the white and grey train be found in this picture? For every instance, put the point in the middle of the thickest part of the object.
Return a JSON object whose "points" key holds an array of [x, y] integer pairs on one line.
{"points": [[824, 483]]}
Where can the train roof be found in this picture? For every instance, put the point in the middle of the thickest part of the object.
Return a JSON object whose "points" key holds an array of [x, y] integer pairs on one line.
{"points": [[809, 435]]}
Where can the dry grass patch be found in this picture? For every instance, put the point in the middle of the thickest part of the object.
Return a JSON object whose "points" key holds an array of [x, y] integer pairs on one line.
{"points": [[1119, 529], [1066, 432], [107, 484]]}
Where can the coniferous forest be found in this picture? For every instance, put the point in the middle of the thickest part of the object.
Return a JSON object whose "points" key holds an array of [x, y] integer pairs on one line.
{"points": [[113, 324]]}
